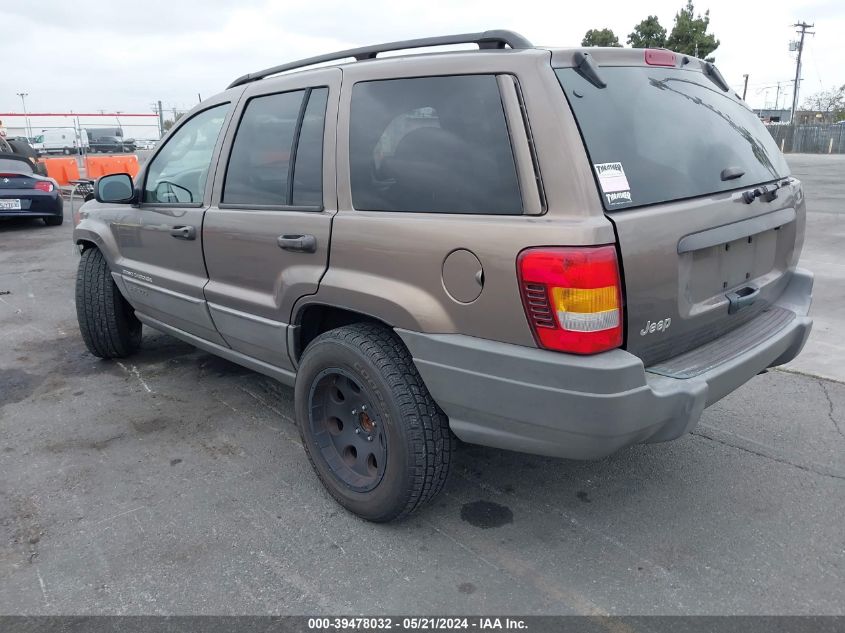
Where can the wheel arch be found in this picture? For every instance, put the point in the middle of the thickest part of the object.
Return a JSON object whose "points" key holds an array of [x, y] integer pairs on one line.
{"points": [[91, 233], [86, 239], [85, 243], [312, 319]]}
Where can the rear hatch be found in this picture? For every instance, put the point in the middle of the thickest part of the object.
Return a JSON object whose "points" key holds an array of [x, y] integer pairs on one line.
{"points": [[673, 154]]}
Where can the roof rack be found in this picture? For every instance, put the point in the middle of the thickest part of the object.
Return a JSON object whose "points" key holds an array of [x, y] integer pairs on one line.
{"points": [[485, 39]]}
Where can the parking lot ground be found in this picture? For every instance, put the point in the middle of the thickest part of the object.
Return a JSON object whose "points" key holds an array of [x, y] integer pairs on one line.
{"points": [[824, 183], [174, 483]]}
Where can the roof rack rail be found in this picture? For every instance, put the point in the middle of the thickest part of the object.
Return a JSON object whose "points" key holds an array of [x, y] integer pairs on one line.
{"points": [[485, 39]]}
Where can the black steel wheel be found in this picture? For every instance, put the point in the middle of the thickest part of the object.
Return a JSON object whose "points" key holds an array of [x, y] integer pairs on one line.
{"points": [[348, 429], [375, 437]]}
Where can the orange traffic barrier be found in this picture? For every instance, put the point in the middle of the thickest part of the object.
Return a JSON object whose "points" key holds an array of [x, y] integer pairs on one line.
{"points": [[98, 166], [62, 170], [128, 164]]}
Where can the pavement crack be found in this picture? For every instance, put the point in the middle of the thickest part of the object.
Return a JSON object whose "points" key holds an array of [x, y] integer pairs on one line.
{"points": [[756, 449], [134, 371], [830, 408]]}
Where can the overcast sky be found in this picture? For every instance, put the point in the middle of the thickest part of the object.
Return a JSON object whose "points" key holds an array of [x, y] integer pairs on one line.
{"points": [[118, 55]]}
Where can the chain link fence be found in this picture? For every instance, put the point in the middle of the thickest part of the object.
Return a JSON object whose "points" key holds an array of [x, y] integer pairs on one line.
{"points": [[809, 139]]}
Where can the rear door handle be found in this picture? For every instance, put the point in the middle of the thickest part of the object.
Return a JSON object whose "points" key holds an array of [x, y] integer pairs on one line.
{"points": [[297, 243], [741, 298], [184, 232]]}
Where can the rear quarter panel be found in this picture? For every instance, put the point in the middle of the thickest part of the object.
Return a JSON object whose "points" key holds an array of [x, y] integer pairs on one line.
{"points": [[389, 264]]}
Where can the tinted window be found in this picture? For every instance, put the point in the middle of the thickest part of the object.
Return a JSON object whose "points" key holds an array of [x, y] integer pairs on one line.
{"points": [[659, 134], [308, 171], [434, 144], [179, 171], [259, 170], [260, 160]]}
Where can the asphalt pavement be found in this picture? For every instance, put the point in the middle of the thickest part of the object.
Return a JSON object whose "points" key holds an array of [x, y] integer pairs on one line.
{"points": [[174, 482]]}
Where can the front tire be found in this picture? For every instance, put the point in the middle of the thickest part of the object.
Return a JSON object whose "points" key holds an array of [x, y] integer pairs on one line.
{"points": [[376, 439], [107, 322]]}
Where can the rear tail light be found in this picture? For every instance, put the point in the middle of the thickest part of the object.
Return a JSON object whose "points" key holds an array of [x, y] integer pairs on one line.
{"points": [[43, 185], [572, 297]]}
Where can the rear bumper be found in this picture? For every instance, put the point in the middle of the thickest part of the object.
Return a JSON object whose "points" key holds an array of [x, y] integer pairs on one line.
{"points": [[34, 204], [585, 407]]}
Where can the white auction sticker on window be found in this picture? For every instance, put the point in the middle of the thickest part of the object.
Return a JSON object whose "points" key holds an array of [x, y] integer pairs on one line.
{"points": [[614, 183]]}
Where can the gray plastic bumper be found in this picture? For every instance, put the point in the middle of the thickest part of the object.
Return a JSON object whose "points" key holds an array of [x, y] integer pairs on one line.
{"points": [[584, 407]]}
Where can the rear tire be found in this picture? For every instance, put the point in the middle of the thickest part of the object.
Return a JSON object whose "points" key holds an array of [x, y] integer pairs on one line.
{"points": [[107, 322], [385, 464], [54, 220]]}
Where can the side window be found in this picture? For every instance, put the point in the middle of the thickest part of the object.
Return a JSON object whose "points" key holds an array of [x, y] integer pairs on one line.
{"points": [[268, 164], [179, 171], [432, 144], [308, 171]]}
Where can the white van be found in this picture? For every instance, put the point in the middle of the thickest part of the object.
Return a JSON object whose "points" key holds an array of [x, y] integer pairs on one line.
{"points": [[65, 140]]}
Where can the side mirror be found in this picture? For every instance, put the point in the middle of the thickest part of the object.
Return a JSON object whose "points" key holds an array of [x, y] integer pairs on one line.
{"points": [[115, 188]]}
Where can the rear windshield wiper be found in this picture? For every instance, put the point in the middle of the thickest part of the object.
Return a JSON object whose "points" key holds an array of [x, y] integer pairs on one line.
{"points": [[769, 192]]}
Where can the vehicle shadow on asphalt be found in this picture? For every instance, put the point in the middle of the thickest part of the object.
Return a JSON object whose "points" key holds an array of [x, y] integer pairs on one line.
{"points": [[10, 225]]}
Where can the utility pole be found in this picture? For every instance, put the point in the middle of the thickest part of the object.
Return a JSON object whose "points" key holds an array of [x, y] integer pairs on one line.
{"points": [[27, 127], [160, 120], [803, 26], [745, 87]]}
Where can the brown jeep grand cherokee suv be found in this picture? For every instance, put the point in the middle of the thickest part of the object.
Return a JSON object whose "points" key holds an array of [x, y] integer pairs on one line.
{"points": [[555, 251]]}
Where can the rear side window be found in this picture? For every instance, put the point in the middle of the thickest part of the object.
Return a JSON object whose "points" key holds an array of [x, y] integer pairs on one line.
{"points": [[432, 144], [660, 134], [277, 155]]}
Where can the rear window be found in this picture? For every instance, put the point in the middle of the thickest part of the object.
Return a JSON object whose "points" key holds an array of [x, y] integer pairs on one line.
{"points": [[660, 134], [15, 166]]}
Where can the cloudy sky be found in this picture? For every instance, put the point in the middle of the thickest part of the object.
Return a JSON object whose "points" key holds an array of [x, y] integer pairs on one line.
{"points": [[117, 55]]}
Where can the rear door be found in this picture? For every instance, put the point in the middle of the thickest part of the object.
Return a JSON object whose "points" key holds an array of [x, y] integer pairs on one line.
{"points": [[673, 154], [160, 242], [267, 234]]}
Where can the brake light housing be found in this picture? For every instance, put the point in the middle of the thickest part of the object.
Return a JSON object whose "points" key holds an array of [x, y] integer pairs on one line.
{"points": [[660, 57], [43, 185], [572, 297]]}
